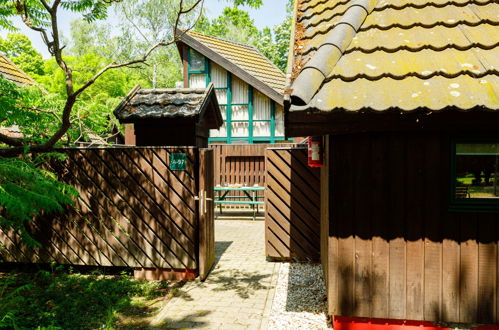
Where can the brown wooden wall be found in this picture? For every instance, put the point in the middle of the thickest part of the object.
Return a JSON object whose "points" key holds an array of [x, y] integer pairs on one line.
{"points": [[292, 206], [394, 249], [243, 163], [132, 211]]}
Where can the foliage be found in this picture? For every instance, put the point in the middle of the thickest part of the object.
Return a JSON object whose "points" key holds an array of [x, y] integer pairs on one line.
{"points": [[146, 22], [60, 300], [18, 48], [27, 190], [236, 25], [35, 15]]}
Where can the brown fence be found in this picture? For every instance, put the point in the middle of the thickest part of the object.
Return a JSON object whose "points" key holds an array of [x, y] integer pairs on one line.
{"points": [[292, 212], [133, 210], [240, 164]]}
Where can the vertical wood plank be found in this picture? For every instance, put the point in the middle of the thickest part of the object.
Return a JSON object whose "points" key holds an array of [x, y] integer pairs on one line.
{"points": [[414, 232], [487, 268], [206, 214], [362, 181], [469, 270], [432, 220], [380, 228], [397, 252]]}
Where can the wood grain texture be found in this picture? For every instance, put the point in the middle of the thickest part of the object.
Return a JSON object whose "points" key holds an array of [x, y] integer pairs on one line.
{"points": [[292, 212], [206, 214], [132, 211], [394, 249]]}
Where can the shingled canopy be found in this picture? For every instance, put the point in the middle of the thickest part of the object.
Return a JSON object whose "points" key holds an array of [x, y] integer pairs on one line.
{"points": [[171, 116], [11, 72], [422, 59], [244, 61]]}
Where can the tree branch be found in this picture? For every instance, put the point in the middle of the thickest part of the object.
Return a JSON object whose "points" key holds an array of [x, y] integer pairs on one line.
{"points": [[108, 67], [55, 49], [8, 140]]}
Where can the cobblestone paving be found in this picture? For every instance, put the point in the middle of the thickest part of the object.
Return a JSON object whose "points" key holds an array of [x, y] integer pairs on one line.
{"points": [[239, 291]]}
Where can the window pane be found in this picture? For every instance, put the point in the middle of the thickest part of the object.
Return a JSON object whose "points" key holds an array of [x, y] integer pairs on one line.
{"points": [[279, 120], [221, 96], [223, 111], [261, 107], [476, 170], [222, 132], [197, 80], [240, 112], [196, 61], [240, 129], [261, 128], [218, 76], [239, 91]]}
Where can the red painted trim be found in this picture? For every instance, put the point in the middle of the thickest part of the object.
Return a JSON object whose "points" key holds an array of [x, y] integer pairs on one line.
{"points": [[357, 323]]}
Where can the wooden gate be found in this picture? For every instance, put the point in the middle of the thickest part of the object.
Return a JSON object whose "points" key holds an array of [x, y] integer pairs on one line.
{"points": [[134, 209], [292, 206]]}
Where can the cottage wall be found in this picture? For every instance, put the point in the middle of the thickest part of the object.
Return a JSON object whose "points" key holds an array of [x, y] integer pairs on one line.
{"points": [[392, 247]]}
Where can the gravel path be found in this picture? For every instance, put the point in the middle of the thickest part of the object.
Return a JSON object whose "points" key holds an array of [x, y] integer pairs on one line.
{"points": [[299, 301]]}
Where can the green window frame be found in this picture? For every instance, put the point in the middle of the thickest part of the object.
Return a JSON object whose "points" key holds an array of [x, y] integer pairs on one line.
{"points": [[464, 186], [229, 139], [190, 72]]}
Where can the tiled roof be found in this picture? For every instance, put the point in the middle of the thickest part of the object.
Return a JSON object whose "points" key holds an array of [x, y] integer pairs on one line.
{"points": [[164, 103], [244, 61], [11, 72], [395, 54]]}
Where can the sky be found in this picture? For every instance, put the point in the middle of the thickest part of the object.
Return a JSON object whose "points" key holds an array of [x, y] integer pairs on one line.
{"points": [[270, 14]]}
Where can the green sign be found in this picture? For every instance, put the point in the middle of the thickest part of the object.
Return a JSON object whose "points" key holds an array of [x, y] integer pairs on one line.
{"points": [[178, 162]]}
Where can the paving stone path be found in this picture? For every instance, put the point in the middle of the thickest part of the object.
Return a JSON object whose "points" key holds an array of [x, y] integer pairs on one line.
{"points": [[239, 291]]}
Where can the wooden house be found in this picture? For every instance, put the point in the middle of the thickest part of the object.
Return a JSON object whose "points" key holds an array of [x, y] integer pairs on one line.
{"points": [[249, 87], [170, 117], [405, 95]]}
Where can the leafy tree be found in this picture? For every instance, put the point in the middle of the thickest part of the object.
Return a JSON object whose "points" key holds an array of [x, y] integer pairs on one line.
{"points": [[236, 25], [18, 48], [26, 190], [79, 88]]}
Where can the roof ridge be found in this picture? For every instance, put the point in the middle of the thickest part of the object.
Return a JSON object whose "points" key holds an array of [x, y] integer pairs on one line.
{"points": [[330, 51], [218, 38]]}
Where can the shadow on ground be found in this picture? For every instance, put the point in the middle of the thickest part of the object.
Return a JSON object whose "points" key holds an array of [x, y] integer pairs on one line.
{"points": [[220, 248], [244, 284], [188, 322]]}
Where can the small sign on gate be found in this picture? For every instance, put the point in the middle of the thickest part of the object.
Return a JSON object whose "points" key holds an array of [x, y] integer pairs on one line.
{"points": [[178, 162]]}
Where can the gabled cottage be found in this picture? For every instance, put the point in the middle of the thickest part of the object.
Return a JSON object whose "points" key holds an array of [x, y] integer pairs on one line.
{"points": [[249, 87], [405, 94]]}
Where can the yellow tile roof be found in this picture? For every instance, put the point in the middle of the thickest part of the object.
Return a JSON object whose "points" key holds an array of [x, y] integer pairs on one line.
{"points": [[11, 72], [251, 65], [395, 54]]}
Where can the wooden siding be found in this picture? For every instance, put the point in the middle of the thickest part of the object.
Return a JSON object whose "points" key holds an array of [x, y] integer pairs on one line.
{"points": [[132, 211], [241, 163], [206, 213], [394, 249], [292, 211]]}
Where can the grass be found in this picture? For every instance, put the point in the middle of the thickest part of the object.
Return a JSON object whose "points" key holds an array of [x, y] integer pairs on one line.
{"points": [[62, 300]]}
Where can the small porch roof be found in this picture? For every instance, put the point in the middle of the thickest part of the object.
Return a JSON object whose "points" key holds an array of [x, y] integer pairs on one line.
{"points": [[171, 103]]}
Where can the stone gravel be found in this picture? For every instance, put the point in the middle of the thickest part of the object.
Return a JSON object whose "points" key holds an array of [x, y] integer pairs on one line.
{"points": [[300, 298]]}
